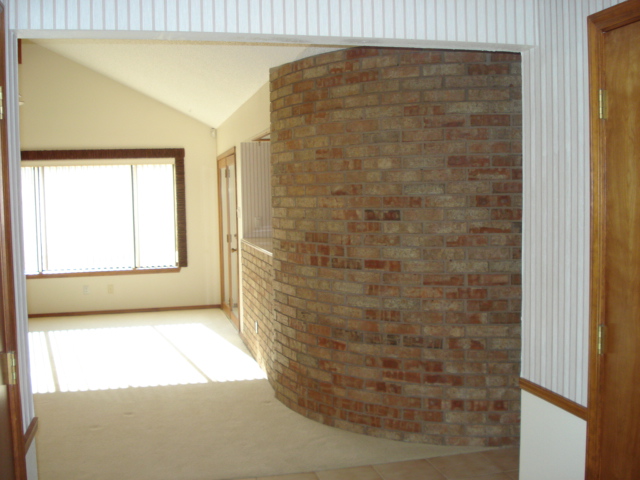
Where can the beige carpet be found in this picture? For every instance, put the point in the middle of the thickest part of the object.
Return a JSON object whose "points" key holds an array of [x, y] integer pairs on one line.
{"points": [[209, 430]]}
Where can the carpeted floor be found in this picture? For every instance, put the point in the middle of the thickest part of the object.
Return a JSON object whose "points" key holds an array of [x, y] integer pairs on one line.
{"points": [[199, 421]]}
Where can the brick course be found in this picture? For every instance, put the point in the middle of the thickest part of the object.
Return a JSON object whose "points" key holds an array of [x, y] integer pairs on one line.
{"points": [[397, 217]]}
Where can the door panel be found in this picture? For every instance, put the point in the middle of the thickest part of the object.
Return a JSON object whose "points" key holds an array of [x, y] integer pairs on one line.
{"points": [[621, 387], [614, 406], [227, 205]]}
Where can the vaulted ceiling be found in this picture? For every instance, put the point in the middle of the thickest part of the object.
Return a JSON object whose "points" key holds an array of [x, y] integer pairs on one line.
{"points": [[205, 80]]}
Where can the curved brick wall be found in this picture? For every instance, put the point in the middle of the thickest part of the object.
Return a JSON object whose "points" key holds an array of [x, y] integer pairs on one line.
{"points": [[396, 195]]}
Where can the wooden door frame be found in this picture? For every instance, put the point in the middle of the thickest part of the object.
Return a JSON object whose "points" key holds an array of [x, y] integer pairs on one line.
{"points": [[598, 25], [224, 160], [7, 275]]}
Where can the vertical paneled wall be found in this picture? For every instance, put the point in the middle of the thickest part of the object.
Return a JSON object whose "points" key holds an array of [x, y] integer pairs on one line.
{"points": [[482, 21], [557, 200], [556, 155], [256, 189]]}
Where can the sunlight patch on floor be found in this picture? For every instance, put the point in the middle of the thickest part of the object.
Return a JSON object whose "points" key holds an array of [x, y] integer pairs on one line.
{"points": [[214, 356], [139, 356], [41, 371]]}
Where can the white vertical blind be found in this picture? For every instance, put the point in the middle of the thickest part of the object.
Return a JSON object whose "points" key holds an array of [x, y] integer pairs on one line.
{"points": [[556, 138], [99, 217], [30, 220], [88, 219], [156, 239], [256, 189]]}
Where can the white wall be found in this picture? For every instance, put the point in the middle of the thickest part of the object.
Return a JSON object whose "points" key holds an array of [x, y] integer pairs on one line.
{"points": [[32, 462], [67, 106], [553, 442]]}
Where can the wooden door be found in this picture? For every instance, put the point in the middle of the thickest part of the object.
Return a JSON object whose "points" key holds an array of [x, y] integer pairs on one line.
{"points": [[227, 206], [613, 451], [12, 449]]}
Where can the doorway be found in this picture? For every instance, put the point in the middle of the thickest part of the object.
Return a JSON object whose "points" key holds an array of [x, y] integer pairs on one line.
{"points": [[228, 217], [613, 430]]}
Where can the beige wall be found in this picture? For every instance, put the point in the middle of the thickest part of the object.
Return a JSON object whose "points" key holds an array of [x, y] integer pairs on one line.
{"points": [[67, 106], [249, 121]]}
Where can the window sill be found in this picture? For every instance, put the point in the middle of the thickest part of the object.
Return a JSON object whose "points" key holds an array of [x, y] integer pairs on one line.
{"points": [[135, 271]]}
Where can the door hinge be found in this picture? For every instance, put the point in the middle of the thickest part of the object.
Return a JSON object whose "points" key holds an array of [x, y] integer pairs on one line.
{"points": [[8, 360], [1, 104], [602, 104], [228, 238], [602, 337]]}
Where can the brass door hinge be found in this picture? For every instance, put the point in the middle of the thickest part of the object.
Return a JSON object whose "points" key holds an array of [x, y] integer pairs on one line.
{"points": [[8, 361], [602, 338], [602, 104]]}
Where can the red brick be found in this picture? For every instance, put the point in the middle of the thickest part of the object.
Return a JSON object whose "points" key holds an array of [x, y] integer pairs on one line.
{"points": [[361, 52], [490, 120], [387, 265], [302, 86], [361, 77], [494, 69], [468, 161]]}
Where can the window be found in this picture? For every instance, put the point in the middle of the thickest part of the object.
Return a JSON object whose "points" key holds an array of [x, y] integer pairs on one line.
{"points": [[98, 211]]}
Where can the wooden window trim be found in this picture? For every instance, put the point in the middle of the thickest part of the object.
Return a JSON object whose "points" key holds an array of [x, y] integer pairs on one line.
{"points": [[117, 154], [102, 273]]}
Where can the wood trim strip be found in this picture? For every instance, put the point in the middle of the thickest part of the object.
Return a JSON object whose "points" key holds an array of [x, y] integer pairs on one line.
{"points": [[553, 398], [595, 35], [128, 310], [181, 209], [261, 136], [30, 434], [617, 16], [231, 151], [119, 153], [136, 271]]}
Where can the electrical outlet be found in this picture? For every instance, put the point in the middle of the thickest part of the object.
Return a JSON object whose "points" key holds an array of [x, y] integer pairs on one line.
{"points": [[85, 289]]}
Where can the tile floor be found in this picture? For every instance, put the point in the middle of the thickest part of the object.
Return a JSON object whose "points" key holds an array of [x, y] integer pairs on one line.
{"points": [[500, 464]]}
